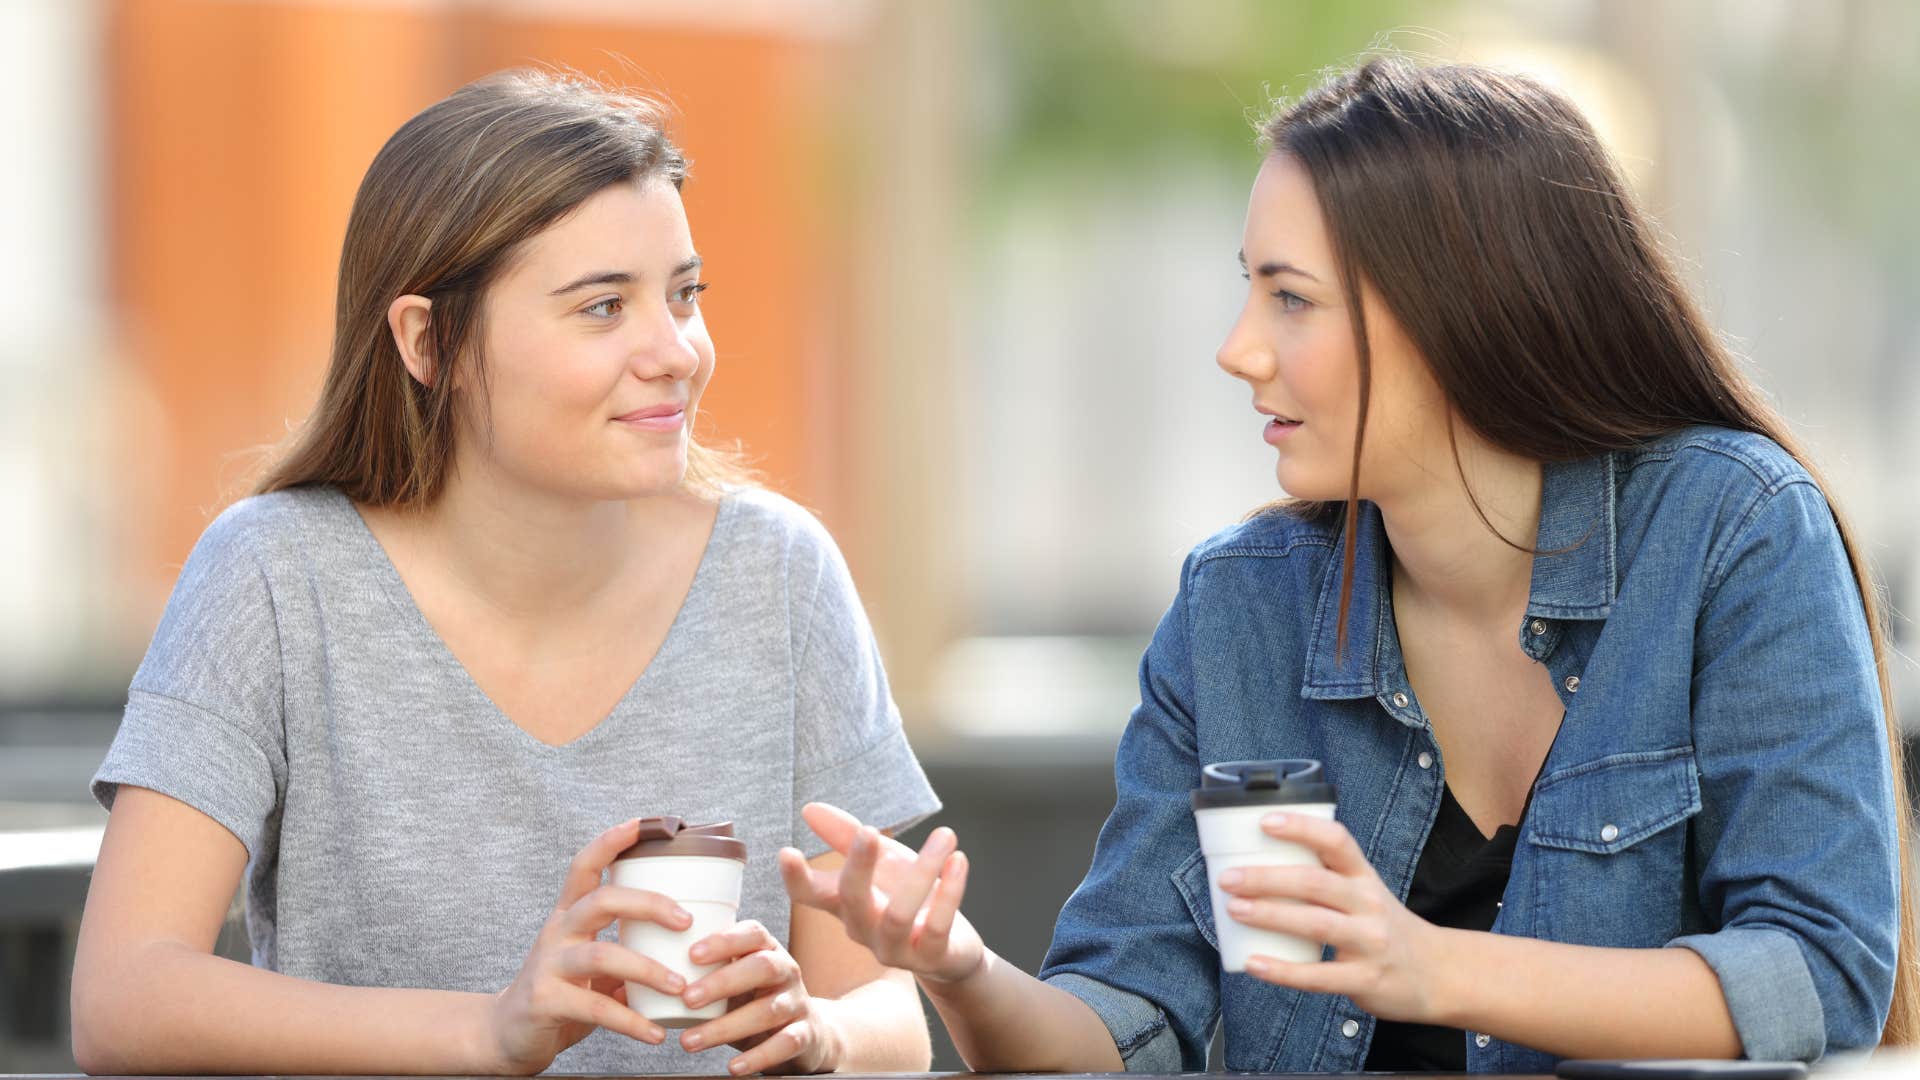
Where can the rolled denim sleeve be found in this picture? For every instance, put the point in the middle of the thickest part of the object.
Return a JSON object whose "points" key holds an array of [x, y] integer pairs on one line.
{"points": [[1126, 942], [1799, 866]]}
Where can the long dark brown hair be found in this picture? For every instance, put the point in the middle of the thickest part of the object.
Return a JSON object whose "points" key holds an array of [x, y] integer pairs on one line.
{"points": [[443, 208], [1560, 329]]}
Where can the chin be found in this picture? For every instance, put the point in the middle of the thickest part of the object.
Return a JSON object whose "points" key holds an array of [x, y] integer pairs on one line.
{"points": [[660, 477], [1306, 484]]}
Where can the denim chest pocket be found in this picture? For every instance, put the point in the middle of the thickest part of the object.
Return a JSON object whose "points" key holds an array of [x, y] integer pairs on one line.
{"points": [[1609, 852]]}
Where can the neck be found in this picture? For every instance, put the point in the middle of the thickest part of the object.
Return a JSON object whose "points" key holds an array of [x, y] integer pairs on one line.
{"points": [[1444, 556], [532, 554]]}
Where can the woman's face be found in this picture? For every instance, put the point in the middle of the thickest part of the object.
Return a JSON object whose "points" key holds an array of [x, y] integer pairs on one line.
{"points": [[596, 353], [1294, 345]]}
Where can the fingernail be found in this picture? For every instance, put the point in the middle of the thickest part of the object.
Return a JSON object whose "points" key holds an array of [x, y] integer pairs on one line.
{"points": [[1256, 966], [1239, 906], [695, 998], [738, 1068], [1231, 878], [675, 984], [698, 953], [682, 915], [1274, 821], [690, 1041]]}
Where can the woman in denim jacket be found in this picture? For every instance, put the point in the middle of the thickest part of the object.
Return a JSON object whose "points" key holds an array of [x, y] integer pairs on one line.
{"points": [[1561, 606]]}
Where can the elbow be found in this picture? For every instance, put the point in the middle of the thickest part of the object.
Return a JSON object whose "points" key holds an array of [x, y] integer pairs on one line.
{"points": [[93, 1044], [106, 1021]]}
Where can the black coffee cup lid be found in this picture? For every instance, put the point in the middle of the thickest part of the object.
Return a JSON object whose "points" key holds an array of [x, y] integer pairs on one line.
{"points": [[1276, 782]]}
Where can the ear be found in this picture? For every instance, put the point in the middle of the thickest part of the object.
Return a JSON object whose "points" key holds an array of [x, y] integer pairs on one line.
{"points": [[409, 317]]}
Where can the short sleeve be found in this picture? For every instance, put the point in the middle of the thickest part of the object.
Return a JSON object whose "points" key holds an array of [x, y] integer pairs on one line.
{"points": [[203, 722], [849, 747]]}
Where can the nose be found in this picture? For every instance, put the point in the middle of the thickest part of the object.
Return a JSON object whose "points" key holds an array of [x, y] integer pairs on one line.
{"points": [[1244, 355], [662, 346]]}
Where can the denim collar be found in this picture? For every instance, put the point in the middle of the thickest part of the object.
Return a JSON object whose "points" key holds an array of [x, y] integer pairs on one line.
{"points": [[1573, 579]]}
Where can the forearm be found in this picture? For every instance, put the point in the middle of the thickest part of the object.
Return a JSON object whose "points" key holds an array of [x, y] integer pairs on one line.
{"points": [[171, 1009], [1005, 1020], [879, 1027], [1580, 1001]]}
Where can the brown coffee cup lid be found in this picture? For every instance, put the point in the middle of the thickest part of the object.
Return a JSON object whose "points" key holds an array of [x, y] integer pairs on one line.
{"points": [[668, 835]]}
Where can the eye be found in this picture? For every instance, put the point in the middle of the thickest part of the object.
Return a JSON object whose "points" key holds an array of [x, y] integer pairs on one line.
{"points": [[604, 309], [690, 293], [1290, 301]]}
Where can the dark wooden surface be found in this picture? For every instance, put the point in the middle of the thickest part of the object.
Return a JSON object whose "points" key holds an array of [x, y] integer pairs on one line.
{"points": [[849, 1076]]}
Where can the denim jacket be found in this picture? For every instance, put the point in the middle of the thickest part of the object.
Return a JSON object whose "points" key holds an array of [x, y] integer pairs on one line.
{"points": [[1721, 780]]}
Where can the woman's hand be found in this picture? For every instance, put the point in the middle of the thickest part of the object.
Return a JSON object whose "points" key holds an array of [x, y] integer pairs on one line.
{"points": [[572, 983], [1384, 955], [902, 905], [770, 1014]]}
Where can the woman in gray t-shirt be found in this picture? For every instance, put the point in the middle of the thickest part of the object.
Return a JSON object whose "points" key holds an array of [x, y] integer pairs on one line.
{"points": [[493, 602]]}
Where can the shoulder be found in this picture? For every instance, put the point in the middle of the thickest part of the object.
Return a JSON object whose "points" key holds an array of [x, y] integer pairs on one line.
{"points": [[1717, 491], [264, 531], [756, 521], [771, 546], [1279, 531], [1705, 457]]}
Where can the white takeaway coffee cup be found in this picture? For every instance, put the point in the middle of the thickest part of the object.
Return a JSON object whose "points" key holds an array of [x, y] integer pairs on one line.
{"points": [[1227, 807], [700, 868]]}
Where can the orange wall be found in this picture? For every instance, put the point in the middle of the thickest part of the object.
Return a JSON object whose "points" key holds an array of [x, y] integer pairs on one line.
{"points": [[239, 131]]}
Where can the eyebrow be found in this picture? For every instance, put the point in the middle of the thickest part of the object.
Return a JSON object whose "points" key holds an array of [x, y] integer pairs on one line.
{"points": [[1271, 269], [621, 277]]}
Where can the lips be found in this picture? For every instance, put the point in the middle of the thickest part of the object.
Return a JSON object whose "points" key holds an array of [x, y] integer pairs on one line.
{"points": [[653, 412], [668, 419], [1276, 416]]}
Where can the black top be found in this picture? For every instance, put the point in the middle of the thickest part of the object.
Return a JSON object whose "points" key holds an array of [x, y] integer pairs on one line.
{"points": [[1458, 883]]}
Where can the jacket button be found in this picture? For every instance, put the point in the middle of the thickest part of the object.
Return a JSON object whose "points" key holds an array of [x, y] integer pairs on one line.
{"points": [[1482, 1041], [1610, 833], [1573, 684], [1538, 627], [1350, 1028], [1426, 760], [1399, 700]]}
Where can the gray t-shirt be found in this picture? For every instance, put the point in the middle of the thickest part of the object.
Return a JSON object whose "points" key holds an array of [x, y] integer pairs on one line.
{"points": [[403, 832]]}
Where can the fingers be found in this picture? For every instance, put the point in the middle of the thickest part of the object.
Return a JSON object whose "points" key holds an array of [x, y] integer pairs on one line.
{"points": [[583, 873], [1330, 840], [599, 908], [1320, 925], [749, 973], [743, 937], [1318, 977], [831, 824], [945, 905], [566, 1001], [839, 829], [759, 967], [906, 898], [858, 909], [757, 1017], [790, 1042], [805, 885], [588, 959], [1311, 884]]}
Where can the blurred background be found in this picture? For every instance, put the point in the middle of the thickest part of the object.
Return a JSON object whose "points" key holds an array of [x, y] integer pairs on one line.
{"points": [[971, 262]]}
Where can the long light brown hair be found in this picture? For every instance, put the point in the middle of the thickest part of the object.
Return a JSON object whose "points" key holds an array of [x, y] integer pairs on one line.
{"points": [[1559, 329], [442, 210]]}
